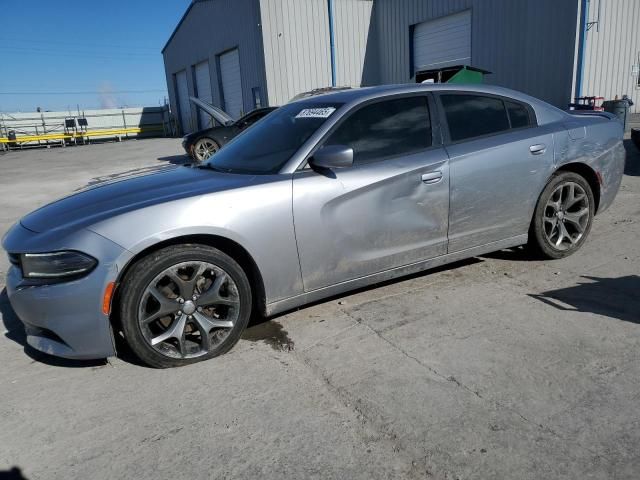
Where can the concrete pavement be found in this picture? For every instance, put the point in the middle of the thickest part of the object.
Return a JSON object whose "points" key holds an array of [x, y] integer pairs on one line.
{"points": [[495, 367]]}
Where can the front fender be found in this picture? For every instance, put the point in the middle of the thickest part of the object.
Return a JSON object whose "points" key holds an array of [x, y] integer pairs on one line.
{"points": [[259, 219]]}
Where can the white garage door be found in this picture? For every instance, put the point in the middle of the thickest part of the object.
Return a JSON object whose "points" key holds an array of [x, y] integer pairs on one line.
{"points": [[443, 42], [184, 109], [231, 82], [203, 90]]}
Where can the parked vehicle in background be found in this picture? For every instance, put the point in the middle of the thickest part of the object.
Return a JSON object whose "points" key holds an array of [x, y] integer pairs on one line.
{"points": [[202, 144], [324, 195]]}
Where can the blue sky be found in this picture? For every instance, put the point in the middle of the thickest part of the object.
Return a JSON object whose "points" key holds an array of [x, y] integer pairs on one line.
{"points": [[111, 47]]}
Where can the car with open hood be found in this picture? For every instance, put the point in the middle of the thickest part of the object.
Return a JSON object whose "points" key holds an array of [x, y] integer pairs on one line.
{"points": [[200, 145]]}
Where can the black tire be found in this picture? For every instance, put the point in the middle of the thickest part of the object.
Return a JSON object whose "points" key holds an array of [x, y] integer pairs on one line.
{"points": [[200, 148], [635, 137], [541, 233], [135, 289]]}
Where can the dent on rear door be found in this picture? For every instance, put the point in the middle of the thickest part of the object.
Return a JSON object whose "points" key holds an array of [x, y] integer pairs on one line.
{"points": [[362, 220]]}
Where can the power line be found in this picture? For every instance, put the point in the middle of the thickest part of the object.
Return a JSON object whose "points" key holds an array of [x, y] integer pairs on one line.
{"points": [[77, 53], [105, 92], [75, 44]]}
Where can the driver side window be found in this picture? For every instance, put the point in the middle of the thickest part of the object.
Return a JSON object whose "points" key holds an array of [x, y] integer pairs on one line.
{"points": [[385, 129]]}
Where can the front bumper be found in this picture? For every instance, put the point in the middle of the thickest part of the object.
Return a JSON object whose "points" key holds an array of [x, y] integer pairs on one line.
{"points": [[187, 147], [65, 319]]}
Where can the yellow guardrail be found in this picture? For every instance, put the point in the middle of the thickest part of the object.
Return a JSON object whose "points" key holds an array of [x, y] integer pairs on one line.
{"points": [[80, 135]]}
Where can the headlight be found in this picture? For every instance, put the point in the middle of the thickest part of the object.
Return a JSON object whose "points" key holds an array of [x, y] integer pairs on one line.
{"points": [[56, 264]]}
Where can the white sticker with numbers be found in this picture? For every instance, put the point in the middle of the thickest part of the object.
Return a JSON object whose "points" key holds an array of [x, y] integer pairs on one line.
{"points": [[322, 112]]}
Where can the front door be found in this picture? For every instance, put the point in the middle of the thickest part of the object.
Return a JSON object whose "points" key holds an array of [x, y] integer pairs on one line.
{"points": [[389, 209]]}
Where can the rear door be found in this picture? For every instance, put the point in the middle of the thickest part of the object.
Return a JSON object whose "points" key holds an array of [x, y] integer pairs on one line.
{"points": [[388, 210], [499, 161]]}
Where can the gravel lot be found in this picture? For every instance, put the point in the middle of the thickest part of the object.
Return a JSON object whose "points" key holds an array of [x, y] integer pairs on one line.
{"points": [[499, 367]]}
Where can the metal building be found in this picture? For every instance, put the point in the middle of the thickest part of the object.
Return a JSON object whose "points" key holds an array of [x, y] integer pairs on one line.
{"points": [[611, 64], [242, 54]]}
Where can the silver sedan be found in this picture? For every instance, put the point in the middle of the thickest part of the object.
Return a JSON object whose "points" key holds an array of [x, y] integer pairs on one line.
{"points": [[324, 195]]}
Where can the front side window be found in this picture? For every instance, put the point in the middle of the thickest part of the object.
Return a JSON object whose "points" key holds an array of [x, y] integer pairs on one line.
{"points": [[385, 129], [470, 116]]}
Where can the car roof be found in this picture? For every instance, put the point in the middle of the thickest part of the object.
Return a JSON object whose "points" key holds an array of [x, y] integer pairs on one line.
{"points": [[545, 112]]}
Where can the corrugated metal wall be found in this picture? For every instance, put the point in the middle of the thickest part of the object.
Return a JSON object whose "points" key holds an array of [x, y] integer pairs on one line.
{"points": [[296, 44], [612, 56], [529, 45], [210, 28], [296, 47], [352, 20]]}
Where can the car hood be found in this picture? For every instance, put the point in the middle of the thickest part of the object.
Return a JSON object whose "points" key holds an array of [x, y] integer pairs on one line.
{"points": [[218, 114], [112, 198]]}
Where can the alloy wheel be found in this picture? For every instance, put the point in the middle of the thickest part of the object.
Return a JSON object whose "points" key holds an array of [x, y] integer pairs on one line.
{"points": [[204, 148], [566, 216], [188, 309]]}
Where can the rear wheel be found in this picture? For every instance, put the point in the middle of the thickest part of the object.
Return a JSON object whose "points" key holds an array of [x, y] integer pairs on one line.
{"points": [[204, 148], [183, 304], [563, 216]]}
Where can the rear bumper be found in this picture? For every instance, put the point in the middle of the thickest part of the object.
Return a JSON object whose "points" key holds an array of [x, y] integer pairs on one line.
{"points": [[611, 170]]}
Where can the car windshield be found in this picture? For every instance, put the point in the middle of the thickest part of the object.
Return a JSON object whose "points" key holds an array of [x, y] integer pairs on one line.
{"points": [[271, 142]]}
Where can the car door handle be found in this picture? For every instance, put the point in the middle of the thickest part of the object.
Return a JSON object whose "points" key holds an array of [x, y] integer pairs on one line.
{"points": [[432, 177], [538, 149]]}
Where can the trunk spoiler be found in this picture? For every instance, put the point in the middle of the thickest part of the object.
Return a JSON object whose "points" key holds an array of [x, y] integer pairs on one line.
{"points": [[592, 113]]}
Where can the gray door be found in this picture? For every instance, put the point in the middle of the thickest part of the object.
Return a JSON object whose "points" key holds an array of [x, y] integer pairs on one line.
{"points": [[389, 210], [499, 163], [442, 42], [184, 109], [231, 83], [203, 91]]}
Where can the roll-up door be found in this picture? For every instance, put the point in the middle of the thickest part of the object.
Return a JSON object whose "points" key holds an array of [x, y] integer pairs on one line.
{"points": [[203, 91], [231, 82], [442, 42], [184, 109]]}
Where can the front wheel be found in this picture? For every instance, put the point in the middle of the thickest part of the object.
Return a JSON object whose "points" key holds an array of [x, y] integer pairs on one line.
{"points": [[183, 304], [204, 148], [563, 216]]}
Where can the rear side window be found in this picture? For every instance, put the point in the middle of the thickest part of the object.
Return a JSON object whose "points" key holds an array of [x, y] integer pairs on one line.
{"points": [[385, 129], [470, 116], [518, 115]]}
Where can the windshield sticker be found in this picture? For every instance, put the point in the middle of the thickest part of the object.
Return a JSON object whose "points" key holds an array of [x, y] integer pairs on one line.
{"points": [[323, 112]]}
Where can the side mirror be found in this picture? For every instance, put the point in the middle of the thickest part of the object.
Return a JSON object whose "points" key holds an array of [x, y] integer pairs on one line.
{"points": [[332, 156]]}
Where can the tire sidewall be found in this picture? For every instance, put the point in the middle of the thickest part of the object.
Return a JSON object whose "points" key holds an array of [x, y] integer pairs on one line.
{"points": [[145, 270], [541, 242]]}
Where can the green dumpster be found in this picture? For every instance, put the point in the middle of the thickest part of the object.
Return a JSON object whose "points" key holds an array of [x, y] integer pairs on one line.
{"points": [[455, 74]]}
